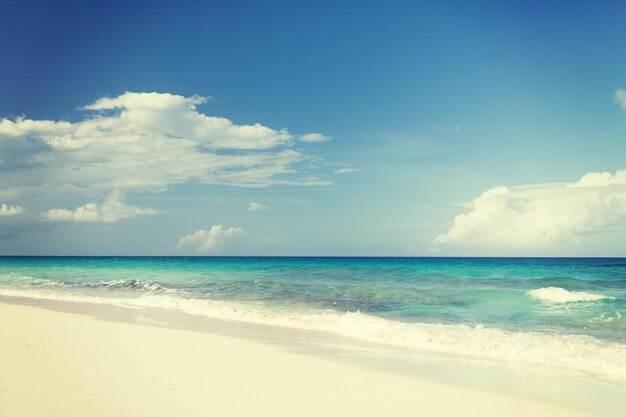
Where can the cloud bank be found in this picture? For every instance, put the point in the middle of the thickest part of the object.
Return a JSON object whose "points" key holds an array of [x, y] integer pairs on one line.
{"points": [[542, 215], [208, 241], [111, 210], [144, 141]]}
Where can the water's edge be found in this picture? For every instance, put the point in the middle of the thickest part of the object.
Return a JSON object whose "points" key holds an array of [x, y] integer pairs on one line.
{"points": [[548, 384]]}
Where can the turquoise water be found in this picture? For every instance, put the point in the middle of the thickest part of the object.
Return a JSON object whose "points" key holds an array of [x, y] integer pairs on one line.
{"points": [[567, 312]]}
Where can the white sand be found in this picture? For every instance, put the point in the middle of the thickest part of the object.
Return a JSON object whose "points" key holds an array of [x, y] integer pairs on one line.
{"points": [[61, 364]]}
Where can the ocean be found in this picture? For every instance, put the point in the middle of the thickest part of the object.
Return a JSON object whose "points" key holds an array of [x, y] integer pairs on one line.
{"points": [[564, 312]]}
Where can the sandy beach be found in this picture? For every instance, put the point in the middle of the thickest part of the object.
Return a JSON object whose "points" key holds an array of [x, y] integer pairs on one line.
{"points": [[64, 364], [325, 209]]}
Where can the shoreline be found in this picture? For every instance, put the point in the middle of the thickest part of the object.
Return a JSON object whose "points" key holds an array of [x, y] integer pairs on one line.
{"points": [[290, 354]]}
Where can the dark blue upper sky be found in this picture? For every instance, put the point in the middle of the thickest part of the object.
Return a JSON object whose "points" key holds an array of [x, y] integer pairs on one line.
{"points": [[434, 101]]}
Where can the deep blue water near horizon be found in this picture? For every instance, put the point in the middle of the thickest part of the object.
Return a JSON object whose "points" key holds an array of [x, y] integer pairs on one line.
{"points": [[571, 306]]}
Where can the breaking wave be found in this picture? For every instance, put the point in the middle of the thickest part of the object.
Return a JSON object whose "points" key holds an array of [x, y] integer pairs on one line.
{"points": [[561, 295], [134, 284], [130, 284]]}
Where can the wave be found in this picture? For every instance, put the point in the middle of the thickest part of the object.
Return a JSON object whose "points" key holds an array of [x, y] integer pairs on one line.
{"points": [[576, 283], [593, 356], [131, 284], [134, 284], [561, 295], [606, 318]]}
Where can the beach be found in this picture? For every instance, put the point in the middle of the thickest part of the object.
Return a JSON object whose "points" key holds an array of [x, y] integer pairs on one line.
{"points": [[291, 209], [57, 363]]}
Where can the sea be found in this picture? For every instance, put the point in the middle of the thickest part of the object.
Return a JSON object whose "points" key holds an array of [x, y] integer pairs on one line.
{"points": [[559, 312]]}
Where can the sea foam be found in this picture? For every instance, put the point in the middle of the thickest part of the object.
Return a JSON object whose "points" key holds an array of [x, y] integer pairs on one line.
{"points": [[25, 281], [587, 354], [561, 295]]}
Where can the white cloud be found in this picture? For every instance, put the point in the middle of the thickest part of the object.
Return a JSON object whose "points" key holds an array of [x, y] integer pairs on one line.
{"points": [[542, 215], [346, 170], [7, 210], [111, 210], [208, 241], [601, 179], [620, 98], [257, 207], [144, 141], [176, 116], [314, 138]]}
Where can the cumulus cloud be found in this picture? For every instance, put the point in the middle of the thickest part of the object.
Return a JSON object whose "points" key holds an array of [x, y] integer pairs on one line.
{"points": [[601, 179], [111, 210], [346, 170], [7, 210], [144, 141], [257, 207], [176, 116], [542, 215], [314, 138], [208, 241], [620, 98]]}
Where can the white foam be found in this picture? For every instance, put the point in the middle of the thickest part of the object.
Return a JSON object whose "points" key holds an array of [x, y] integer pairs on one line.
{"points": [[24, 281], [600, 358], [578, 352], [604, 318], [561, 295], [143, 285], [45, 294]]}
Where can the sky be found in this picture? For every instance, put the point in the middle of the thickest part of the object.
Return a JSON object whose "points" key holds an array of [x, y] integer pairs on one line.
{"points": [[369, 128]]}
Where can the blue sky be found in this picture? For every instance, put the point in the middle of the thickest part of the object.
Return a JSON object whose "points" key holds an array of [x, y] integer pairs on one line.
{"points": [[417, 110]]}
